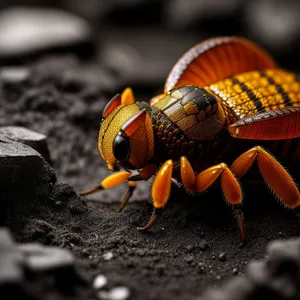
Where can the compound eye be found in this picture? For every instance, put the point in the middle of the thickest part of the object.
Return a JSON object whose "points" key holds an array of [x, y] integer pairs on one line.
{"points": [[121, 147]]}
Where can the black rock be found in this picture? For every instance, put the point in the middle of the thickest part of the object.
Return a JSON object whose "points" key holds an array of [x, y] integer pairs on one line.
{"points": [[31, 138], [26, 181], [28, 269], [26, 31]]}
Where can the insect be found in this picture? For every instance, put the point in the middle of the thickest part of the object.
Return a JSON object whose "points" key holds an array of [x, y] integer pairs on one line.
{"points": [[225, 105]]}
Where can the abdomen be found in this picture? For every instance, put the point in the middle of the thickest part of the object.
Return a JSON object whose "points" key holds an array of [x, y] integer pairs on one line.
{"points": [[248, 93]]}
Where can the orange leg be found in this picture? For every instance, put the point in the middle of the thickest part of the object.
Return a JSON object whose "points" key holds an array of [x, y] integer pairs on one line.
{"points": [[201, 182], [112, 181], [160, 191], [276, 177]]}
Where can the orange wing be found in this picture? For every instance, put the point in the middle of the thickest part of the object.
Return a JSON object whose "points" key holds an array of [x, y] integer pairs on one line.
{"points": [[280, 123], [216, 59]]}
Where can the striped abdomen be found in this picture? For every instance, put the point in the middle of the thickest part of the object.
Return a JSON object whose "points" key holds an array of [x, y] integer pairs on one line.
{"points": [[246, 94]]}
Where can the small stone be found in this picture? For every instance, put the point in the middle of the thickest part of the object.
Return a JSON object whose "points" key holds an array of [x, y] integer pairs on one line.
{"points": [[99, 282], [10, 259], [40, 258], [31, 138], [222, 256], [203, 245], [25, 31], [108, 255], [14, 74], [235, 271], [117, 293], [189, 259], [6, 239]]}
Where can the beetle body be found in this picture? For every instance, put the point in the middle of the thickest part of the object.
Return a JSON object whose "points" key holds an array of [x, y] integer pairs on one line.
{"points": [[224, 102]]}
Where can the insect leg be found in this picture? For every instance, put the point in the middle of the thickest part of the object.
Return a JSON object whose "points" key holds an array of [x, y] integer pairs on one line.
{"points": [[206, 178], [276, 177], [130, 190], [187, 174], [108, 182], [160, 191]]}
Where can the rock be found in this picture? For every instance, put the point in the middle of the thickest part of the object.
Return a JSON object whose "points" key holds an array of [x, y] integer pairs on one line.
{"points": [[108, 255], [25, 266], [26, 178], [31, 138], [43, 259], [275, 24], [117, 293], [10, 260], [99, 282], [223, 256], [26, 31], [14, 75], [6, 239]]}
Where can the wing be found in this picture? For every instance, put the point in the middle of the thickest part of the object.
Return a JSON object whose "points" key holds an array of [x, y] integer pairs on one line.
{"points": [[280, 123], [216, 59]]}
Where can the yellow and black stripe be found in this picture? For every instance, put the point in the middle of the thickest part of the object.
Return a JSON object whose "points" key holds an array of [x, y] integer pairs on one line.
{"points": [[248, 93]]}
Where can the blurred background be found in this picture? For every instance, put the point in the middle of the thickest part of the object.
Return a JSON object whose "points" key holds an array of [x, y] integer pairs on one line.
{"points": [[141, 40], [62, 60]]}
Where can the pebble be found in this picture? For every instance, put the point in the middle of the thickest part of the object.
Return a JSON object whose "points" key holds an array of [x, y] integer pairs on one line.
{"points": [[31, 138], [25, 31], [99, 282], [40, 258], [223, 256], [108, 255], [117, 293], [14, 75], [10, 259]]}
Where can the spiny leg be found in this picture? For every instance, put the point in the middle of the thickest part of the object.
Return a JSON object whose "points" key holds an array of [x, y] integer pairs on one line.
{"points": [[206, 178], [160, 191], [111, 181], [276, 177]]}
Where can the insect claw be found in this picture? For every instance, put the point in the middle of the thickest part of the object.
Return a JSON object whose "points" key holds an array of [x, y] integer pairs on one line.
{"points": [[152, 220], [149, 224], [92, 191]]}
